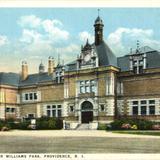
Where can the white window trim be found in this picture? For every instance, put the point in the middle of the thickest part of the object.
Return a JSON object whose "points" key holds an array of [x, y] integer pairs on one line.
{"points": [[33, 99], [84, 85], [56, 109], [147, 106]]}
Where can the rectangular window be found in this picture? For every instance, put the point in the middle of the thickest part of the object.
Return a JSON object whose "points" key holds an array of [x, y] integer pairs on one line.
{"points": [[59, 106], [26, 96], [143, 110], [59, 112], [82, 89], [140, 62], [135, 102], [102, 108], [87, 82], [92, 81], [35, 96], [134, 62], [152, 110], [140, 69], [54, 106], [151, 101], [87, 89], [135, 70], [54, 110], [71, 108], [30, 96], [92, 88], [135, 110], [143, 102], [53, 113], [7, 109], [13, 110], [48, 113], [48, 107], [81, 82]]}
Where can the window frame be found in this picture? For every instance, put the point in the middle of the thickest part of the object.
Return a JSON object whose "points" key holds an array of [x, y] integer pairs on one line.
{"points": [[54, 110]]}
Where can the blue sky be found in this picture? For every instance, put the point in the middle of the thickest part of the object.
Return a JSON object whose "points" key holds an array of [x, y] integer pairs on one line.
{"points": [[33, 34]]}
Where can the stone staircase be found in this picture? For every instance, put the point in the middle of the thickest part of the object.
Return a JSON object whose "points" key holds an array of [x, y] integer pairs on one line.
{"points": [[83, 126]]}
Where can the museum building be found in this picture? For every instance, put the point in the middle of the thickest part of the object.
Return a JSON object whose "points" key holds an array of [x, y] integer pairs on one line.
{"points": [[95, 88]]}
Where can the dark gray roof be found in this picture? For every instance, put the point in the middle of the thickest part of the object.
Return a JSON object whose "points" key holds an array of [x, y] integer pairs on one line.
{"points": [[98, 21], [71, 66], [105, 55], [152, 57], [11, 79], [35, 79]]}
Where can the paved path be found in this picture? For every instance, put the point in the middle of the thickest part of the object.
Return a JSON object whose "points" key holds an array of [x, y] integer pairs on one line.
{"points": [[76, 142]]}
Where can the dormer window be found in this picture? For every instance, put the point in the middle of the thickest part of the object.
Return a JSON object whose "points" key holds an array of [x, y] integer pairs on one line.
{"points": [[138, 63], [59, 75], [137, 60]]}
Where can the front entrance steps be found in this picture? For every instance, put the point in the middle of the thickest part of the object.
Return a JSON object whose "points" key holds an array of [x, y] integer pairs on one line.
{"points": [[83, 126]]}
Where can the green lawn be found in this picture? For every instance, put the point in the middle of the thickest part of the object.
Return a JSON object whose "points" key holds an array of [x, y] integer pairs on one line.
{"points": [[153, 133]]}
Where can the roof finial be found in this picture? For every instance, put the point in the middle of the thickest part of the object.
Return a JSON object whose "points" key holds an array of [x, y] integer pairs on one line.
{"points": [[98, 12], [137, 50], [87, 41]]}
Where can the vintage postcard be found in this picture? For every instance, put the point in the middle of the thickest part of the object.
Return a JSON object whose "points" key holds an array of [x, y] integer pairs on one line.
{"points": [[79, 82]]}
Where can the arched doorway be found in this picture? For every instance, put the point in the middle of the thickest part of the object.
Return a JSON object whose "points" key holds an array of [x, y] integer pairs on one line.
{"points": [[86, 112]]}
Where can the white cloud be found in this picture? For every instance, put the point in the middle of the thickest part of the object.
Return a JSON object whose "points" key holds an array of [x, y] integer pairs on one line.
{"points": [[83, 36], [49, 29], [30, 36], [30, 21], [123, 39], [52, 28], [3, 40]]}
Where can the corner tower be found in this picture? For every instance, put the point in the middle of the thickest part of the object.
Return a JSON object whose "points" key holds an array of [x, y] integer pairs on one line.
{"points": [[98, 27]]}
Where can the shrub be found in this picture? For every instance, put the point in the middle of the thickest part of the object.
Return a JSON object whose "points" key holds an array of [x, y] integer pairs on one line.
{"points": [[102, 126], [133, 123], [116, 124], [144, 124], [52, 123], [23, 125], [59, 123], [1, 124], [49, 123], [41, 124], [12, 124]]}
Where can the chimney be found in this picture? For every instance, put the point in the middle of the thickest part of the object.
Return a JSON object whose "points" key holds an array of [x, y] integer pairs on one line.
{"points": [[50, 65], [24, 70]]}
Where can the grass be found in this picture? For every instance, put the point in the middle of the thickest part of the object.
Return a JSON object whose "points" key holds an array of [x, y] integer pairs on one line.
{"points": [[152, 133]]}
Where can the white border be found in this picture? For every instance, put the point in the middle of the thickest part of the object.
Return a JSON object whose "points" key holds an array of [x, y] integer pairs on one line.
{"points": [[80, 3]]}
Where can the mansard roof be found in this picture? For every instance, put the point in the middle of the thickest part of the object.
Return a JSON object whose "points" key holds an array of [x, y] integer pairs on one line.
{"points": [[152, 56], [105, 55], [11, 79]]}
